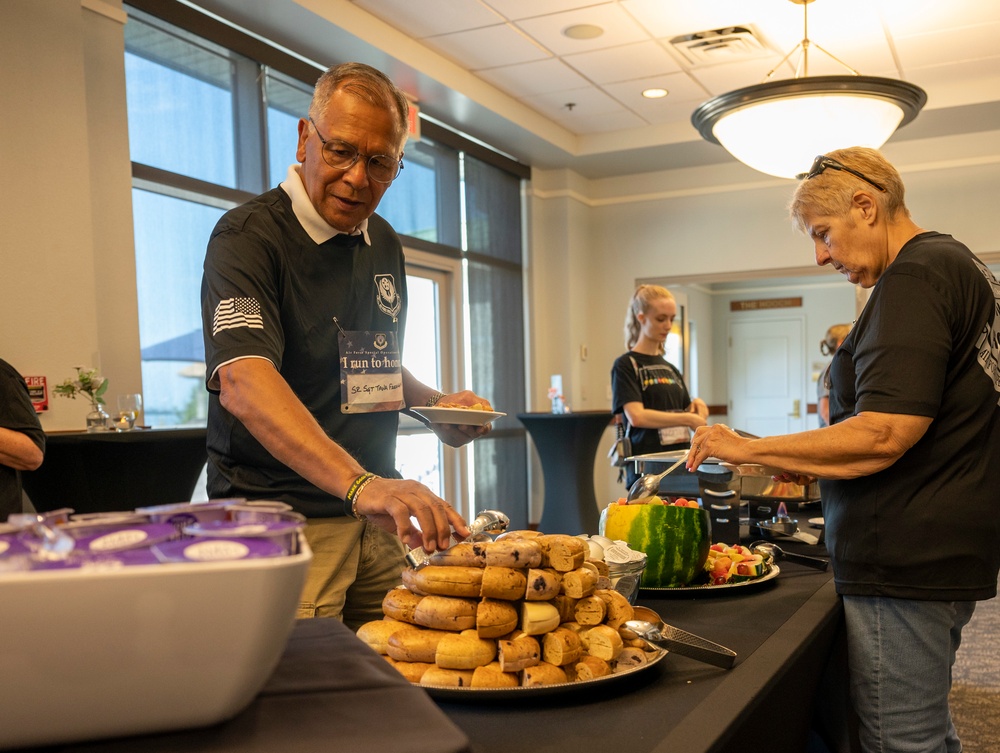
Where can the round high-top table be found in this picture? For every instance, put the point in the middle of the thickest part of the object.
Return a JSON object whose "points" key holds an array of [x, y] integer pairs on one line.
{"points": [[566, 444]]}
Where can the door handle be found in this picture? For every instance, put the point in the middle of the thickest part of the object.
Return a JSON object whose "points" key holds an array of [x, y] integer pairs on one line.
{"points": [[796, 409]]}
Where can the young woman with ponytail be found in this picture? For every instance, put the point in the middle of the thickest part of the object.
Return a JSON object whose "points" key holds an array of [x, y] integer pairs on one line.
{"points": [[648, 393]]}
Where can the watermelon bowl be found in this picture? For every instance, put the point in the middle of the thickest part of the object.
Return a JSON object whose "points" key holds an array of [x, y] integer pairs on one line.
{"points": [[674, 539]]}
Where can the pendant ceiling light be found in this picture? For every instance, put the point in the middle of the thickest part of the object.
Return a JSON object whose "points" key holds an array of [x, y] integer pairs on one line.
{"points": [[778, 127]]}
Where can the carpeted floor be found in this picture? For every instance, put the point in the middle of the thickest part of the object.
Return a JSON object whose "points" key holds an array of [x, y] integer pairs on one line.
{"points": [[975, 690]]}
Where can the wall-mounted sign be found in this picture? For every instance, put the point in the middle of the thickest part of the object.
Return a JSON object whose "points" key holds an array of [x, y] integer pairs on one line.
{"points": [[413, 122], [39, 392], [761, 304]]}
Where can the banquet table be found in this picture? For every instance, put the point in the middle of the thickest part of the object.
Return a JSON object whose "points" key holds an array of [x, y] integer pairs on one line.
{"points": [[330, 692], [109, 471]]}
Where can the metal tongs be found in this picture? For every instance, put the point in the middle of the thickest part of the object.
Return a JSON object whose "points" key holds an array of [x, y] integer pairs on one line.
{"points": [[648, 626], [486, 522]]}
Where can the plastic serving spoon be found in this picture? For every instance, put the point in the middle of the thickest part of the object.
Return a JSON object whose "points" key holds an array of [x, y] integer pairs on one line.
{"points": [[656, 632]]}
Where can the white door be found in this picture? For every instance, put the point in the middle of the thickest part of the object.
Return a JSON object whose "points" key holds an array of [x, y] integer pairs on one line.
{"points": [[767, 376], [433, 354]]}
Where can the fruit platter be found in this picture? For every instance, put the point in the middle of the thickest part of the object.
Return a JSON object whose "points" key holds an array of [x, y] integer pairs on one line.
{"points": [[675, 535]]}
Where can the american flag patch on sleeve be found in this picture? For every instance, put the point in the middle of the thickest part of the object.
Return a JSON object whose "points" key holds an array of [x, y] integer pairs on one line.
{"points": [[237, 312]]}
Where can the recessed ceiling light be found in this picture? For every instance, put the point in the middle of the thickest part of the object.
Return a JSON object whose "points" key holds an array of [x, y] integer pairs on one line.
{"points": [[655, 93], [583, 31]]}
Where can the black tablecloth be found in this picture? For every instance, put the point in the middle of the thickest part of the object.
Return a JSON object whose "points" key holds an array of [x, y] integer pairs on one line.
{"points": [[783, 633], [330, 692], [566, 444], [108, 471]]}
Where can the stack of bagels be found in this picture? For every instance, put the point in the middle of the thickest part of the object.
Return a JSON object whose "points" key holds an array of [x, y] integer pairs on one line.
{"points": [[527, 609]]}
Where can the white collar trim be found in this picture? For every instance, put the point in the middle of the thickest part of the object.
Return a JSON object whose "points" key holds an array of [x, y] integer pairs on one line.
{"points": [[315, 226]]}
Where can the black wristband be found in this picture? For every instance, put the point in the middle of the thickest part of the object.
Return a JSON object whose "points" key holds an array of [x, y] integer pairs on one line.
{"points": [[351, 498]]}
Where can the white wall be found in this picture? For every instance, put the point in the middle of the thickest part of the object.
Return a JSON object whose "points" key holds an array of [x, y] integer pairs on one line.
{"points": [[67, 285]]}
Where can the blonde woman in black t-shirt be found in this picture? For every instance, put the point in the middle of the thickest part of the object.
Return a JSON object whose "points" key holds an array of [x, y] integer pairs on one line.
{"points": [[648, 393]]}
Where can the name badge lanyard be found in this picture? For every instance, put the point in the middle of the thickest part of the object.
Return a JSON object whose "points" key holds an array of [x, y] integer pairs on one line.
{"points": [[371, 371]]}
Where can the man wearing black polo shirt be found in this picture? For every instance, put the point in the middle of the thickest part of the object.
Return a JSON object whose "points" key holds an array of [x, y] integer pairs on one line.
{"points": [[304, 312]]}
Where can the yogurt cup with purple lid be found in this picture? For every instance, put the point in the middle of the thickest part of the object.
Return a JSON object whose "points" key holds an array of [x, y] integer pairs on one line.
{"points": [[284, 533], [257, 513], [217, 549], [126, 537], [186, 513]]}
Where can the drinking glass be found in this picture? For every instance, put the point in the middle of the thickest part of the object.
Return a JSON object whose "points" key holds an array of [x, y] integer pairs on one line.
{"points": [[129, 407]]}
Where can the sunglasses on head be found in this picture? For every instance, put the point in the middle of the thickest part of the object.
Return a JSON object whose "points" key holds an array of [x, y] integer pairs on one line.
{"points": [[822, 162]]}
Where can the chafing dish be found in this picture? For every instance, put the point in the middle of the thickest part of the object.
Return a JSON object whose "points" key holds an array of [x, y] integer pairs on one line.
{"points": [[731, 493]]}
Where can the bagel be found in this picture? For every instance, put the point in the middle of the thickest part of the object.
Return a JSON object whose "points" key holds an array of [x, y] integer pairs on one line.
{"points": [[542, 584], [464, 651], [449, 678], [590, 610], [445, 580], [446, 613], [579, 582], [376, 633], [400, 603], [521, 553], [519, 652], [503, 583], [561, 647], [495, 618], [543, 674], [464, 554], [491, 676], [562, 552], [411, 670], [414, 645]]}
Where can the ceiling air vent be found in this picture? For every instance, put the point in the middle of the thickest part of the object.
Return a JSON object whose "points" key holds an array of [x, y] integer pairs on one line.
{"points": [[729, 45]]}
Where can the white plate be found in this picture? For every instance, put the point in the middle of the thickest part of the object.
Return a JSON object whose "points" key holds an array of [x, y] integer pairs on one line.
{"points": [[465, 416], [818, 522]]}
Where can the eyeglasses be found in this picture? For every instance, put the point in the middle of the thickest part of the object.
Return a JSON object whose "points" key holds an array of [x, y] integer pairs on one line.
{"points": [[822, 162], [341, 156]]}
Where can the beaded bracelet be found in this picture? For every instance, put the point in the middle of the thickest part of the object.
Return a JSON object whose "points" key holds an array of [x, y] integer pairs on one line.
{"points": [[434, 399], [351, 498]]}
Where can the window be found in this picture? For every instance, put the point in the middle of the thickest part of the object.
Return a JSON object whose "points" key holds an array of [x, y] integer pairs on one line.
{"points": [[213, 122]]}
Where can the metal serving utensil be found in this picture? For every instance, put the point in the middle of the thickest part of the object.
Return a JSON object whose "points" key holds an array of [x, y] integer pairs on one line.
{"points": [[656, 632], [486, 522], [649, 485], [774, 553]]}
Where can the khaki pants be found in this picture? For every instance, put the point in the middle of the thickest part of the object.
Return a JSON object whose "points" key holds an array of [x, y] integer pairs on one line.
{"points": [[354, 565]]}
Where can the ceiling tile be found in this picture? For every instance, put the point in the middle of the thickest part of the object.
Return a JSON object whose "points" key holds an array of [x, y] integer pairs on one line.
{"points": [[619, 28], [607, 122], [623, 63], [431, 17], [937, 47], [487, 48], [537, 77], [680, 86], [908, 17], [586, 102], [959, 83], [518, 9], [670, 18]]}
